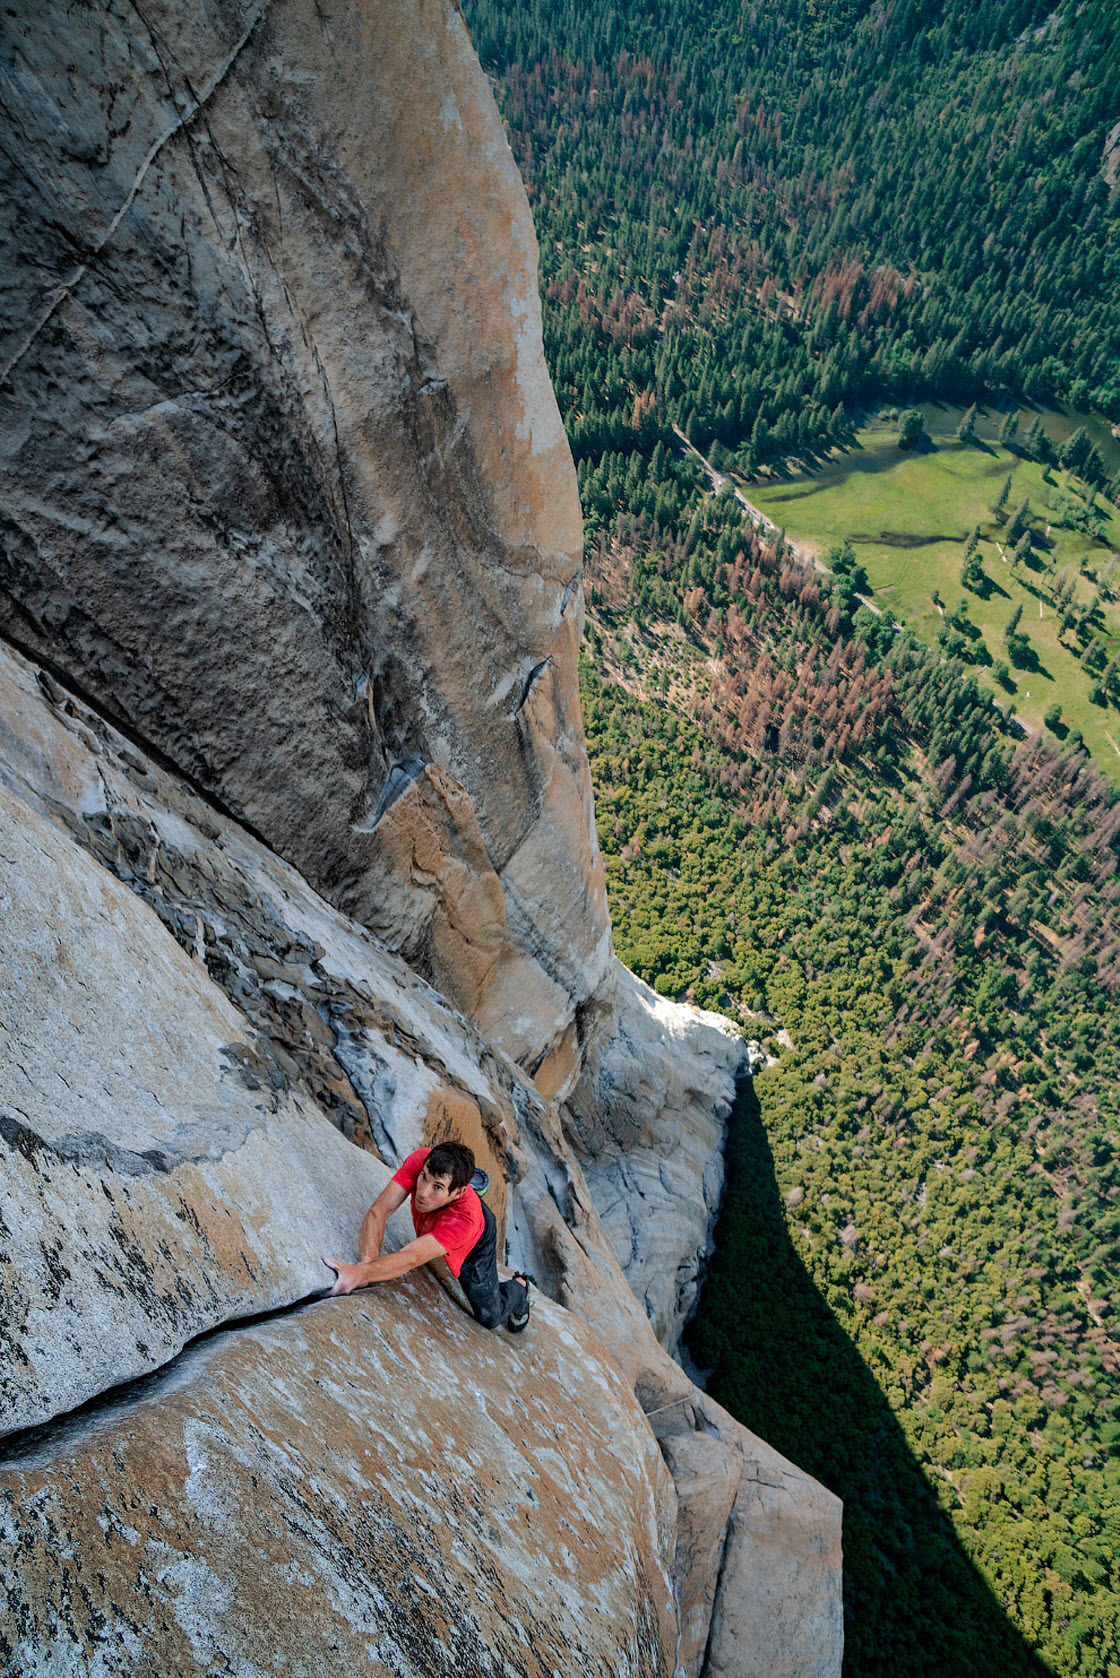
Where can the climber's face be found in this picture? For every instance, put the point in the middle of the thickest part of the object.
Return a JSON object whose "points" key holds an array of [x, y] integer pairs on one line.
{"points": [[432, 1193]]}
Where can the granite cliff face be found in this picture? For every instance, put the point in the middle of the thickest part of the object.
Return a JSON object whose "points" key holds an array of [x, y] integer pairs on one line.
{"points": [[285, 486], [297, 870]]}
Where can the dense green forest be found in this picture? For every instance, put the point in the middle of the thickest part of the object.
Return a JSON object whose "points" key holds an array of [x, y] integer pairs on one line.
{"points": [[754, 217], [757, 223], [941, 1147]]}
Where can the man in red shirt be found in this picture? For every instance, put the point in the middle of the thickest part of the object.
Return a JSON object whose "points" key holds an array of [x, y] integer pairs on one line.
{"points": [[451, 1222]]}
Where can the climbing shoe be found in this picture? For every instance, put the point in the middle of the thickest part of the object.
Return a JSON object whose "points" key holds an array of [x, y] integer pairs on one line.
{"points": [[517, 1323]]}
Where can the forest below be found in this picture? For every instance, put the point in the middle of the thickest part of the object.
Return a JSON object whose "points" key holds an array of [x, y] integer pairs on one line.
{"points": [[757, 224], [839, 841], [754, 219], [997, 550]]}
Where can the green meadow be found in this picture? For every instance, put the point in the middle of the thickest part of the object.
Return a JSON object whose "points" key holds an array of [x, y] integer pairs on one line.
{"points": [[908, 516]]}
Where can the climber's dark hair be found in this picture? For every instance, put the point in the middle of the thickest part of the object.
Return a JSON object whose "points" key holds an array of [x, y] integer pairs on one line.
{"points": [[451, 1159]]}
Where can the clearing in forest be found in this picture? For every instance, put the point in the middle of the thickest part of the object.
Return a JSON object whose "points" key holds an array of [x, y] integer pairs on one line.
{"points": [[1042, 625]]}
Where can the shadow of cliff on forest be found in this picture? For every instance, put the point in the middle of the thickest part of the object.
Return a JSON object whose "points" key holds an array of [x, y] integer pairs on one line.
{"points": [[782, 1363]]}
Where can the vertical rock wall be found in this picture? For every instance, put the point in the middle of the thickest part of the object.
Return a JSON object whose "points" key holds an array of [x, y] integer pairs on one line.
{"points": [[285, 487]]}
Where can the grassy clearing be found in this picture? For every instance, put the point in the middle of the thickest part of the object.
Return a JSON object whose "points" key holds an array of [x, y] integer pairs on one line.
{"points": [[908, 517]]}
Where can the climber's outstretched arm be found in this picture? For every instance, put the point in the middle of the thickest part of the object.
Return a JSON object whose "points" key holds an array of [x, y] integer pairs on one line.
{"points": [[350, 1276]]}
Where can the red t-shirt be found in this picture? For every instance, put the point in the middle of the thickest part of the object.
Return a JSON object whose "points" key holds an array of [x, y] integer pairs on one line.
{"points": [[456, 1227]]}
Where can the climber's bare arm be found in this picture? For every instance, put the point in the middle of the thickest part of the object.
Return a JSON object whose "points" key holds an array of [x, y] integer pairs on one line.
{"points": [[419, 1252], [373, 1224]]}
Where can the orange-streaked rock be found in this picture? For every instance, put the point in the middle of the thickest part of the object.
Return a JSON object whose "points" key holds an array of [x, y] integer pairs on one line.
{"points": [[373, 1484]]}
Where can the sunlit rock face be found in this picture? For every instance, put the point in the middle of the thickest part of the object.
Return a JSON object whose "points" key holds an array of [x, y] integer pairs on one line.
{"points": [[194, 1043], [375, 1484], [647, 1122], [297, 872]]}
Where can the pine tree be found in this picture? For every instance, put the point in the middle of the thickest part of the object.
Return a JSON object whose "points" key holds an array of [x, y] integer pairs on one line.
{"points": [[966, 430], [1036, 443], [1074, 450], [1013, 623], [911, 428], [1020, 521], [1009, 429], [972, 574], [1093, 468], [999, 505]]}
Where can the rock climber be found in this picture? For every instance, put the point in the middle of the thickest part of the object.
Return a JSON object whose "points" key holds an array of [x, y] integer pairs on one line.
{"points": [[451, 1222]]}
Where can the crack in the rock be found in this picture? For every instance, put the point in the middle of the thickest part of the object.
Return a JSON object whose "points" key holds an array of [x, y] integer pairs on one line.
{"points": [[61, 293], [721, 1569], [34, 1446], [75, 691], [568, 595], [530, 683]]}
